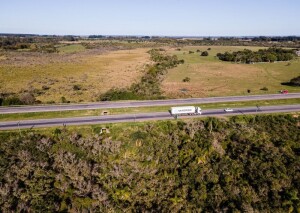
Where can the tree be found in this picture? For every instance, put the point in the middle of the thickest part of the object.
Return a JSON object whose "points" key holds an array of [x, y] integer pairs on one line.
{"points": [[204, 53]]}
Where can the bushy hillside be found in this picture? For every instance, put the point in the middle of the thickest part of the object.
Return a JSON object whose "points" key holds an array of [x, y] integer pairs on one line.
{"points": [[241, 165]]}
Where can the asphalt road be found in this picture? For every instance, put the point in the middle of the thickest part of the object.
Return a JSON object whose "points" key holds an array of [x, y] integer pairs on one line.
{"points": [[126, 104], [140, 117]]}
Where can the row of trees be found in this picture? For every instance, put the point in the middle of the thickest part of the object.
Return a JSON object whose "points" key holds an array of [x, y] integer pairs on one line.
{"points": [[149, 85], [262, 55], [33, 43], [246, 164]]}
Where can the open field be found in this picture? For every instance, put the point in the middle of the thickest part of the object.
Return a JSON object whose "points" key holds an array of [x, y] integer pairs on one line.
{"points": [[81, 75], [212, 77], [77, 77], [73, 48], [99, 112]]}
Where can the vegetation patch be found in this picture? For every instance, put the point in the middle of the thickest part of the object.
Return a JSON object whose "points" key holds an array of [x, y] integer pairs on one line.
{"points": [[149, 85], [263, 55], [244, 164], [293, 82]]}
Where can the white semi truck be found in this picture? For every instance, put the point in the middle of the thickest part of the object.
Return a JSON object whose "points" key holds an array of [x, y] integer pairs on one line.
{"points": [[185, 110]]}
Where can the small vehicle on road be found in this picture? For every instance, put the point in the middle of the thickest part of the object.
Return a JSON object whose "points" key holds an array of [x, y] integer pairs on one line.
{"points": [[228, 110], [284, 91]]}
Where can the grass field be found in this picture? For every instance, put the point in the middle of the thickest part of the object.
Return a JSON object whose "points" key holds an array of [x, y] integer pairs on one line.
{"points": [[77, 77], [99, 112], [72, 48], [81, 76], [212, 77]]}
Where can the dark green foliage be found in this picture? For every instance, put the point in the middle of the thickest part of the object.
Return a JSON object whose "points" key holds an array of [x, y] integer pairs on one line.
{"points": [[12, 100], [186, 79], [246, 164], [149, 85], [264, 89], [204, 53], [8, 99], [293, 82], [262, 55], [118, 94]]}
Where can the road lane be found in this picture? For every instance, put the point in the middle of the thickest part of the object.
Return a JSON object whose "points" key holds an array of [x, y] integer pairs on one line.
{"points": [[140, 117], [151, 103]]}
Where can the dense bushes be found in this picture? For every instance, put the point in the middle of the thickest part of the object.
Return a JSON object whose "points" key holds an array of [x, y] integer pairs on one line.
{"points": [[262, 55], [204, 53], [246, 164], [293, 82], [149, 85], [22, 99]]}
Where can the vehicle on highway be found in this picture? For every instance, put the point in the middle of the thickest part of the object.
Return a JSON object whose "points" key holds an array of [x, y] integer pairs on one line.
{"points": [[284, 91], [228, 110], [185, 110]]}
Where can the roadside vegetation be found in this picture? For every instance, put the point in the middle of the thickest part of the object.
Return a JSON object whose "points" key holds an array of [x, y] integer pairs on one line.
{"points": [[244, 164]]}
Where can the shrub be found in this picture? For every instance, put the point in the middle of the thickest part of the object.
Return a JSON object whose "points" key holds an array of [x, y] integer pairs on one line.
{"points": [[293, 82], [186, 79], [27, 98], [205, 53], [63, 99], [44, 87], [76, 87], [264, 89], [11, 101]]}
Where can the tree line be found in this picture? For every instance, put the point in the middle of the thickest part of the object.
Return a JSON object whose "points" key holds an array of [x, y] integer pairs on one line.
{"points": [[262, 55]]}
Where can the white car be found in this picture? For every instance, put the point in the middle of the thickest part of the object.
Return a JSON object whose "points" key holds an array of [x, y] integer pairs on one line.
{"points": [[228, 110]]}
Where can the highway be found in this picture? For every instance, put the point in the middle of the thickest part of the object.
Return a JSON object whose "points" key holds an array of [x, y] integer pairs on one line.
{"points": [[151, 103], [140, 117]]}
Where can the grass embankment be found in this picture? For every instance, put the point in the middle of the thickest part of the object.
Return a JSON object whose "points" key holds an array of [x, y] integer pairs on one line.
{"points": [[211, 77], [98, 112]]}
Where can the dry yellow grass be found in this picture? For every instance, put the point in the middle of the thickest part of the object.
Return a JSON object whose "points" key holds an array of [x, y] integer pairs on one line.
{"points": [[212, 77], [94, 73]]}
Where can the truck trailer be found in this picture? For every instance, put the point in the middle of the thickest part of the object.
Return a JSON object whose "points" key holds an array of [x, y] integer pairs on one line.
{"points": [[185, 110]]}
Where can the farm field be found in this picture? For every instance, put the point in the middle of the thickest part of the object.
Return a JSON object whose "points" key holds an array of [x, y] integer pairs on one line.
{"points": [[211, 77], [74, 74]]}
